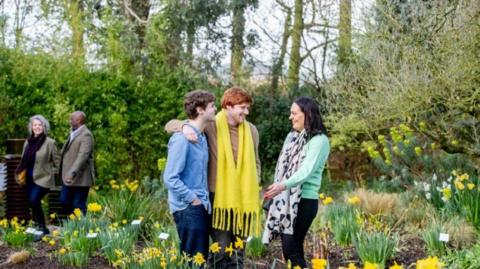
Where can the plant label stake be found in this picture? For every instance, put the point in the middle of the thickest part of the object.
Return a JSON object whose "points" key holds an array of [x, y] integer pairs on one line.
{"points": [[30, 230], [163, 236], [92, 235], [443, 237]]}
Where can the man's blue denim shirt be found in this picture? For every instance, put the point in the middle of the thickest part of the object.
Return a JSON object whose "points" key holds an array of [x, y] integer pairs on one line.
{"points": [[185, 174]]}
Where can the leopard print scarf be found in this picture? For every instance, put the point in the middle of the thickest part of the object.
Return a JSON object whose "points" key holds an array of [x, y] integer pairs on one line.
{"points": [[283, 211]]}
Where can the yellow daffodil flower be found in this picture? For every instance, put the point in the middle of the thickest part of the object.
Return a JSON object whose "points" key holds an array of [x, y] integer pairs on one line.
{"points": [[198, 259], [94, 207], [327, 200], [353, 200], [215, 248], [77, 212], [319, 263], [239, 243], [369, 265], [429, 263], [229, 250]]}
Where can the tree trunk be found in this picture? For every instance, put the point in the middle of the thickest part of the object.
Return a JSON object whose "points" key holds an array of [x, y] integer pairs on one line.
{"points": [[142, 9], [277, 67], [190, 42], [75, 17], [295, 58], [345, 33], [238, 47]]}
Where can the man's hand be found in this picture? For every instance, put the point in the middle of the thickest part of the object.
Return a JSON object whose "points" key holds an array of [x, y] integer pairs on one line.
{"points": [[274, 189], [68, 180], [189, 134], [196, 202]]}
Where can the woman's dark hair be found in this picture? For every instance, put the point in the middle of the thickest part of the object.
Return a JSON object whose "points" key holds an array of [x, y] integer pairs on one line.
{"points": [[313, 119]]}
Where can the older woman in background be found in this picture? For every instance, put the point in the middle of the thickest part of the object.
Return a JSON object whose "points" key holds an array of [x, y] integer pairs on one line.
{"points": [[298, 175], [38, 166]]}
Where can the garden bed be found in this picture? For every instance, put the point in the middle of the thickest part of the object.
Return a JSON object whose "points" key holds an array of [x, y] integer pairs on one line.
{"points": [[410, 251]]}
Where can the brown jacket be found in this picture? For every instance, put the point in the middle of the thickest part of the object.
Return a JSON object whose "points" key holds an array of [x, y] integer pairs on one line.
{"points": [[77, 159], [46, 163]]}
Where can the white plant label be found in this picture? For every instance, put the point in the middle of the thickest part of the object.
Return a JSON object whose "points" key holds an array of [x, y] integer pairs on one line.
{"points": [[30, 230], [92, 235], [136, 222], [249, 238], [163, 236], [38, 233], [443, 237]]}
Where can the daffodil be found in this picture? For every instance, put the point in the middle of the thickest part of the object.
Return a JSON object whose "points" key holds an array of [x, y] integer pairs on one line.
{"points": [[418, 151], [429, 263], [94, 207], [319, 263], [239, 243], [459, 185], [77, 212], [53, 215], [215, 248], [447, 194], [353, 200], [470, 186], [52, 242], [327, 200], [198, 259], [369, 265], [163, 264], [62, 251], [118, 253], [56, 233], [229, 250]]}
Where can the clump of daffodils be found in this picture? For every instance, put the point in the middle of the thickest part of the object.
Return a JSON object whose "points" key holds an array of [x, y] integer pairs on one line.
{"points": [[429, 263]]}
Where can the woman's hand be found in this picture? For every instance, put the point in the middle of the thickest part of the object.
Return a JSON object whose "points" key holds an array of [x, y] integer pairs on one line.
{"points": [[274, 189]]}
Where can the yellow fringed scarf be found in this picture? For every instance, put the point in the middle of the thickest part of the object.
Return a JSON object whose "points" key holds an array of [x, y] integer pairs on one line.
{"points": [[237, 203]]}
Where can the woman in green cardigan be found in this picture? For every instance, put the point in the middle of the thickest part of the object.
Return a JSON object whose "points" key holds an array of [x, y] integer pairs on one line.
{"points": [[298, 175], [38, 166]]}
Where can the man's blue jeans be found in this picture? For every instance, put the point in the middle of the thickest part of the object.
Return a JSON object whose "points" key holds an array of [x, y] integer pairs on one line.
{"points": [[72, 197], [192, 227]]}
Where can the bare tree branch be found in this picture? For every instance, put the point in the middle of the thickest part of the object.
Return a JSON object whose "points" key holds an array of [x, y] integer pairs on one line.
{"points": [[309, 51], [324, 54], [126, 4]]}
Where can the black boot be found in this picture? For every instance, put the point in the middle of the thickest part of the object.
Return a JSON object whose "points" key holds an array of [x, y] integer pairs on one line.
{"points": [[42, 227]]}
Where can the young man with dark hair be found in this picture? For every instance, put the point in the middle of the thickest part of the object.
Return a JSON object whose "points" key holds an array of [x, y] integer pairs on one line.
{"points": [[233, 175], [185, 176]]}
